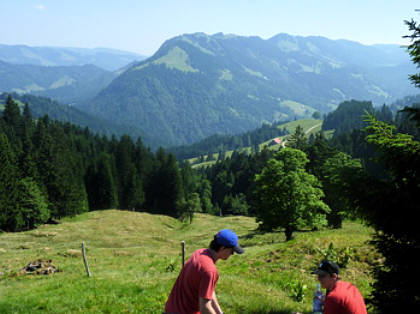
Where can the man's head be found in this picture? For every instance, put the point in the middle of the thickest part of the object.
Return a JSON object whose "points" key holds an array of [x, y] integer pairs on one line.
{"points": [[327, 272], [225, 243]]}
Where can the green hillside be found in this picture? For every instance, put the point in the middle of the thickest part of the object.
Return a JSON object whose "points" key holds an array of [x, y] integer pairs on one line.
{"points": [[135, 258], [310, 126]]}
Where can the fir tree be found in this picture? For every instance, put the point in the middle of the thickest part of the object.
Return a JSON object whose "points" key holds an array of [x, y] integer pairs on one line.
{"points": [[10, 213]]}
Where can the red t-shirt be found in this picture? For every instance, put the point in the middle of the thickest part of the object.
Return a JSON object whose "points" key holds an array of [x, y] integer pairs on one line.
{"points": [[344, 299], [197, 280]]}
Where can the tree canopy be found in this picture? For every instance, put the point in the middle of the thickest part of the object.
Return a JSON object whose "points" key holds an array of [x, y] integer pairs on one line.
{"points": [[287, 196]]}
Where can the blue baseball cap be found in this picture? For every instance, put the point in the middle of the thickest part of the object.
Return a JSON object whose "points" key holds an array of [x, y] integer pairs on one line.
{"points": [[229, 239]]}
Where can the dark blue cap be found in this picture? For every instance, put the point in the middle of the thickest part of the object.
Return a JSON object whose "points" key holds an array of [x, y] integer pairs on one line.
{"points": [[327, 267], [229, 239]]}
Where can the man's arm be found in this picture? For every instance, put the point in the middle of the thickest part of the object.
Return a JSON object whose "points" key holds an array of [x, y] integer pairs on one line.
{"points": [[215, 304], [206, 306]]}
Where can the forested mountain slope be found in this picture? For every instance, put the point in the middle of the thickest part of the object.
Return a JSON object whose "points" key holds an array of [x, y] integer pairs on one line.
{"points": [[41, 106], [197, 85], [67, 84]]}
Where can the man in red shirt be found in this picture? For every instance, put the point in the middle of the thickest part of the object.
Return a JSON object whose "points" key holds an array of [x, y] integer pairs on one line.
{"points": [[193, 291], [342, 297]]}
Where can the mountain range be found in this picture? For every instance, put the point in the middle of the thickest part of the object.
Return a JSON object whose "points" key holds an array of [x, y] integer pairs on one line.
{"points": [[69, 75], [197, 85], [105, 58]]}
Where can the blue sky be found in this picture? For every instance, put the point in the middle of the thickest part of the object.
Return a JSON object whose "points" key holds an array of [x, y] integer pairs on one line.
{"points": [[141, 26]]}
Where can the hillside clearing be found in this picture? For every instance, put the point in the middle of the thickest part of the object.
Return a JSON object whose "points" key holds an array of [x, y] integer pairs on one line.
{"points": [[135, 258]]}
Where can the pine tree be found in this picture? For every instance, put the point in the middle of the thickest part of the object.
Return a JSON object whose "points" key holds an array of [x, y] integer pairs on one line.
{"points": [[130, 186], [298, 139], [10, 213], [100, 184], [32, 203], [14, 124]]}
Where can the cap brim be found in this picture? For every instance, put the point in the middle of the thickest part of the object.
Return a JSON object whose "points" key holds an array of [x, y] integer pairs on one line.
{"points": [[319, 272], [238, 249]]}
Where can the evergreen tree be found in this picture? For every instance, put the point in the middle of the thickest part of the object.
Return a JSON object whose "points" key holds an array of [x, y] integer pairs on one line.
{"points": [[318, 152], [298, 139], [100, 184], [130, 187], [165, 188], [205, 195], [32, 203], [390, 204], [13, 120], [11, 114], [10, 213]]}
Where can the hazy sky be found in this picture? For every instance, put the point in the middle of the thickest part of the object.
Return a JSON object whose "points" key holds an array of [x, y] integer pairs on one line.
{"points": [[143, 25]]}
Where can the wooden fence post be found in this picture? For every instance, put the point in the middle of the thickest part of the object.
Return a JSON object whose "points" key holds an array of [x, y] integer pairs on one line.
{"points": [[183, 252], [85, 260]]}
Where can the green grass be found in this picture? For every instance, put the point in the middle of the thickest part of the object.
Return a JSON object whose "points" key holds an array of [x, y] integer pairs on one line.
{"points": [[130, 257]]}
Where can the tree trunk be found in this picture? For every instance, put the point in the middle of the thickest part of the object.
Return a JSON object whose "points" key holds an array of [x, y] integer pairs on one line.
{"points": [[288, 232]]}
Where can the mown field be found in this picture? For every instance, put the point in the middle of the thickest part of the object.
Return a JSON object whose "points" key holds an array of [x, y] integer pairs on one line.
{"points": [[135, 258]]}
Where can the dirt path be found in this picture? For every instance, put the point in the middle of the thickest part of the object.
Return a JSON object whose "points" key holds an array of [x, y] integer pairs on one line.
{"points": [[313, 127]]}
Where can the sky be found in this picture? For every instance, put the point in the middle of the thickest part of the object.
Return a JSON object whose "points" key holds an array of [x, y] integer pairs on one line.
{"points": [[142, 26]]}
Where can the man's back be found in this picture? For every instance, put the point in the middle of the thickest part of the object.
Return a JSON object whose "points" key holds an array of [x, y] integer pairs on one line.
{"points": [[344, 299], [197, 279]]}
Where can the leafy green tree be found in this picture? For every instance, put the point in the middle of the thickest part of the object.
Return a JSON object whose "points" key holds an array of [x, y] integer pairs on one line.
{"points": [[316, 115], [287, 196], [235, 205], [187, 208]]}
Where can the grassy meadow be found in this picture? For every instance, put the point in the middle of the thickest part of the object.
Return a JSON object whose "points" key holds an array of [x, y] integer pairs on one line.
{"points": [[135, 258], [310, 126]]}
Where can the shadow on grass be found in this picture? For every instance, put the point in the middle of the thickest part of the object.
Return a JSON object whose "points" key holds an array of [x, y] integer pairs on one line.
{"points": [[277, 312], [258, 232]]}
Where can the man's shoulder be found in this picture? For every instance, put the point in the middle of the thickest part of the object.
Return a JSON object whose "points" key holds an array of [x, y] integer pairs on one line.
{"points": [[204, 260], [344, 285], [343, 289]]}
